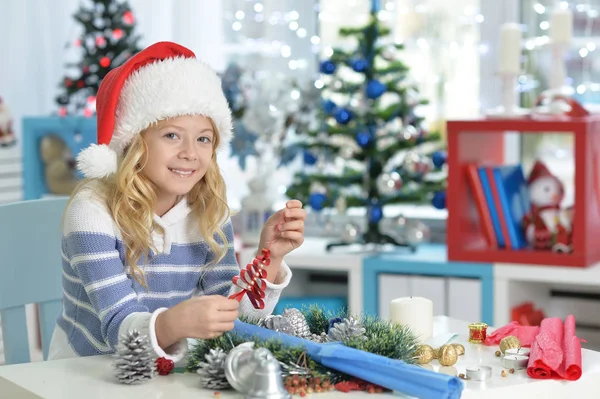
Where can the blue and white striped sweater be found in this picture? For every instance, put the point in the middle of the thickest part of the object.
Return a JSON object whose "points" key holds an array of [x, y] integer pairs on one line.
{"points": [[99, 294]]}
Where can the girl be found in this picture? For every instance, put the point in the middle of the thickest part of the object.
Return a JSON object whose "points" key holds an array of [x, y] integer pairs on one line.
{"points": [[147, 237]]}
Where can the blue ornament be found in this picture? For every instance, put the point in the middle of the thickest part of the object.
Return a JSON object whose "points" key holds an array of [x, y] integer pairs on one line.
{"points": [[343, 115], [364, 138], [317, 201], [439, 200], [334, 321], [439, 159], [309, 158], [327, 67], [375, 213], [329, 106], [359, 65], [243, 144], [375, 89]]}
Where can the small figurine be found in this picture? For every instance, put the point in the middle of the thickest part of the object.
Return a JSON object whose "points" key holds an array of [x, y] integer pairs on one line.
{"points": [[547, 226]]}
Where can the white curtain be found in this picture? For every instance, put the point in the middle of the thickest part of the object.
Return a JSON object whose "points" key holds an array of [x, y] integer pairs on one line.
{"points": [[34, 34]]}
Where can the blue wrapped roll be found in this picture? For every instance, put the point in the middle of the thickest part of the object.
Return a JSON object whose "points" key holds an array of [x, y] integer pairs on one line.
{"points": [[389, 373]]}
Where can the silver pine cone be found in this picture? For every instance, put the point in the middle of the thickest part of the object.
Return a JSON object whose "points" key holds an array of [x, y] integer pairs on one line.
{"points": [[298, 322], [133, 359], [347, 329], [277, 323], [212, 371]]}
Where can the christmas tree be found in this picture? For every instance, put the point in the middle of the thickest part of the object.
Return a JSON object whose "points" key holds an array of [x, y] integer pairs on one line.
{"points": [[107, 41], [370, 148]]}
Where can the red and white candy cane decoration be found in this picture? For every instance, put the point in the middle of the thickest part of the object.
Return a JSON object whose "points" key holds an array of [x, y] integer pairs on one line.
{"points": [[251, 280]]}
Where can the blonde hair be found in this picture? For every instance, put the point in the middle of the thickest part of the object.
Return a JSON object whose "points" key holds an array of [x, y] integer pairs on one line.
{"points": [[131, 198]]}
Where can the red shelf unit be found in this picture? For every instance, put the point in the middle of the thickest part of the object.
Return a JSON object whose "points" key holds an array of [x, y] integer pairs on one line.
{"points": [[482, 141]]}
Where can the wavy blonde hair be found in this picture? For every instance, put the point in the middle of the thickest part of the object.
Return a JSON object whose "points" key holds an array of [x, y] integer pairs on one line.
{"points": [[131, 198]]}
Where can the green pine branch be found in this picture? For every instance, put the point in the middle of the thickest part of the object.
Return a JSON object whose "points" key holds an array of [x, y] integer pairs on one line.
{"points": [[383, 338]]}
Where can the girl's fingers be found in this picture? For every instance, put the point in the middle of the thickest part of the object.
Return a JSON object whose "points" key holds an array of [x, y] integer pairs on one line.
{"points": [[294, 225], [294, 236], [295, 213], [293, 204]]}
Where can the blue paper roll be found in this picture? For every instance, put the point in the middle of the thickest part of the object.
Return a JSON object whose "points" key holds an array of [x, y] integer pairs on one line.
{"points": [[388, 373]]}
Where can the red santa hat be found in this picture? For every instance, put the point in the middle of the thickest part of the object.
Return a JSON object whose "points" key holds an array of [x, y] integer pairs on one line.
{"points": [[162, 81], [540, 170]]}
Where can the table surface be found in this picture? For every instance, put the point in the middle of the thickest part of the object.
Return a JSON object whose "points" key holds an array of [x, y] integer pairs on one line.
{"points": [[92, 377]]}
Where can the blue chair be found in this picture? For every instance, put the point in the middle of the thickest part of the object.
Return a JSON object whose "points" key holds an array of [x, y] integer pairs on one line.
{"points": [[30, 271]]}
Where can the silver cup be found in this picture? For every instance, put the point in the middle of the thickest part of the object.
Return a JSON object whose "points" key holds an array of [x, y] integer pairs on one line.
{"points": [[255, 373]]}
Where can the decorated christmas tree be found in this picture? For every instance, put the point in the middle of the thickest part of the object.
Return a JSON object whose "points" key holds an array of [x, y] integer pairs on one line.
{"points": [[107, 41], [370, 148]]}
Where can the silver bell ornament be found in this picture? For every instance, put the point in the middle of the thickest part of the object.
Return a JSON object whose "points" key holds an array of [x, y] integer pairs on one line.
{"points": [[255, 373], [350, 233], [389, 183]]}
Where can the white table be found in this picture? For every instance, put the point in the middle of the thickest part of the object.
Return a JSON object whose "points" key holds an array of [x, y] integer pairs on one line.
{"points": [[92, 378], [312, 256]]}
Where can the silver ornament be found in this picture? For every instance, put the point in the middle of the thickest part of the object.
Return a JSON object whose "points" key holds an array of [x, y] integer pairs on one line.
{"points": [[389, 183], [351, 233], [409, 131], [415, 232], [277, 323], [416, 165], [400, 222], [410, 163], [298, 322]]}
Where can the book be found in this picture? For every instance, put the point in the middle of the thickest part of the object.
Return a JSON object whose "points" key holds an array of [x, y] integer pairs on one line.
{"points": [[481, 204], [498, 207], [511, 187], [491, 206]]}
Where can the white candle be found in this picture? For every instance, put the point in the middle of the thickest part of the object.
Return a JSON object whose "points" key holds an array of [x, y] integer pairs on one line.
{"points": [[510, 49], [414, 312], [561, 26]]}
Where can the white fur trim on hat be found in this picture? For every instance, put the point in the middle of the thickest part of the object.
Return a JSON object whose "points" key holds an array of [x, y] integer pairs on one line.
{"points": [[97, 161], [169, 88]]}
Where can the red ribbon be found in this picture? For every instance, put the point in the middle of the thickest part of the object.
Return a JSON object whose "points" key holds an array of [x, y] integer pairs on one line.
{"points": [[251, 280]]}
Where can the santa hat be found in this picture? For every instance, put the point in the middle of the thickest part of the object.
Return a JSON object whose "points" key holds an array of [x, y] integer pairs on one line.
{"points": [[540, 170], [162, 81]]}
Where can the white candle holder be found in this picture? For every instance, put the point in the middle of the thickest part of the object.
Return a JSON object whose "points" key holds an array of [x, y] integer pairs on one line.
{"points": [[558, 74], [509, 107]]}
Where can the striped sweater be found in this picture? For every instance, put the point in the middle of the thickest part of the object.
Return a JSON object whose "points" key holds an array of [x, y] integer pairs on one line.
{"points": [[101, 301]]}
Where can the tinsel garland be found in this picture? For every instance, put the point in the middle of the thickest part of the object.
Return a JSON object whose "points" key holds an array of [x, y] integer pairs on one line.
{"points": [[380, 337]]}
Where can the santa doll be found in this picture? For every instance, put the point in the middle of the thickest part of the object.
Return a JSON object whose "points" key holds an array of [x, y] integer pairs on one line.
{"points": [[7, 136], [547, 226]]}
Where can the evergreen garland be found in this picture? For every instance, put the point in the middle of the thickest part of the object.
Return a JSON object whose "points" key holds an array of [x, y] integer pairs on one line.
{"points": [[382, 338]]}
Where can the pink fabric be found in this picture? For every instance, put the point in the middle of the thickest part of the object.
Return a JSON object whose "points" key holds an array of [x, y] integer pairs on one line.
{"points": [[525, 334], [556, 351]]}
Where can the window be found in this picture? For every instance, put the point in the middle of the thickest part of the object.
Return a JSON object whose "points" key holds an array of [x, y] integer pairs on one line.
{"points": [[583, 73]]}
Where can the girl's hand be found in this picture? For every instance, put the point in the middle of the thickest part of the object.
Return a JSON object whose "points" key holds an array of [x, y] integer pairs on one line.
{"points": [[202, 317], [284, 230]]}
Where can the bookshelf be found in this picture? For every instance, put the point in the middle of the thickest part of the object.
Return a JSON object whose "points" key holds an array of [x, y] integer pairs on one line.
{"points": [[481, 141]]}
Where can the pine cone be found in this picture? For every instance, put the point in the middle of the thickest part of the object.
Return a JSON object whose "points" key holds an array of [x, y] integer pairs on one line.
{"points": [[133, 360], [319, 338], [212, 371], [298, 322], [277, 323], [347, 329]]}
